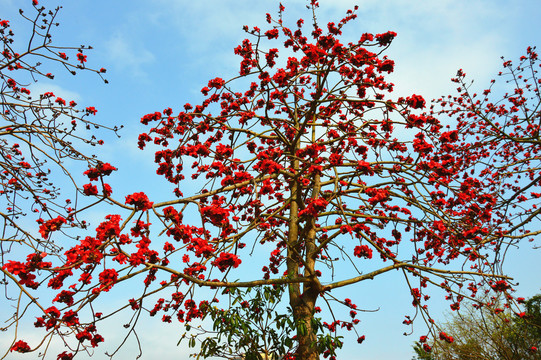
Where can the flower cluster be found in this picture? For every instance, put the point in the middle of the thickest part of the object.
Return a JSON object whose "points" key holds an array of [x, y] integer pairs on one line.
{"points": [[20, 346], [314, 207], [445, 337], [226, 260], [139, 201], [102, 169], [363, 251], [49, 226]]}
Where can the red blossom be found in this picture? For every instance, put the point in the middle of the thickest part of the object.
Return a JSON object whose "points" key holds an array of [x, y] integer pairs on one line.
{"points": [[81, 58], [107, 190], [215, 214], [51, 225], [65, 296], [335, 159], [416, 101], [216, 83], [102, 169], [386, 38], [20, 346], [89, 189], [314, 207], [91, 110], [53, 312], [447, 338], [272, 34], [500, 285], [226, 260], [139, 200], [363, 251], [65, 356], [108, 278], [364, 168], [377, 195]]}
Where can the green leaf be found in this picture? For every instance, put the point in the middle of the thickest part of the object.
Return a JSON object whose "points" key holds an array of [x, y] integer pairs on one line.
{"points": [[288, 342]]}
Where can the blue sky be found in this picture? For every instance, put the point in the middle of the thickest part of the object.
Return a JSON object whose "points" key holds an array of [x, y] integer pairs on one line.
{"points": [[160, 53]]}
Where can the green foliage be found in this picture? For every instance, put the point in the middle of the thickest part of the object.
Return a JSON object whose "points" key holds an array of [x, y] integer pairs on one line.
{"points": [[489, 333], [253, 327], [249, 328]]}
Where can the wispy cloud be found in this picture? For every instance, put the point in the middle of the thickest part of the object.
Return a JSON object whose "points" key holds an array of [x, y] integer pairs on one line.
{"points": [[129, 57]]}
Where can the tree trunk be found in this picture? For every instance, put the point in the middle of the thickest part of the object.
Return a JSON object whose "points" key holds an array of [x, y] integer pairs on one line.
{"points": [[299, 242], [303, 313]]}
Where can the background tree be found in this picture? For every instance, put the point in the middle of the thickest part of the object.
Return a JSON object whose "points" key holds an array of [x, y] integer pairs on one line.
{"points": [[490, 333], [39, 134], [306, 159]]}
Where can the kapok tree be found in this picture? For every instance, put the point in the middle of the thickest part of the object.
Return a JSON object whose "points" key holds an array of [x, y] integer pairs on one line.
{"points": [[39, 134], [306, 160]]}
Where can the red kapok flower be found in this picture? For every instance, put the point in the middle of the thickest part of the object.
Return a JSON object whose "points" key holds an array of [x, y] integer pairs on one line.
{"points": [[216, 83], [81, 58], [91, 109], [272, 34], [64, 356], [363, 251], [108, 278], [102, 169], [448, 338], [20, 346], [50, 226], [416, 101], [500, 285], [89, 189], [107, 190], [215, 214], [139, 200], [226, 260], [385, 38]]}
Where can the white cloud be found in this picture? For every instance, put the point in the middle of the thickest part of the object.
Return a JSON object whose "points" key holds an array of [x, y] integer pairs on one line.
{"points": [[129, 57]]}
